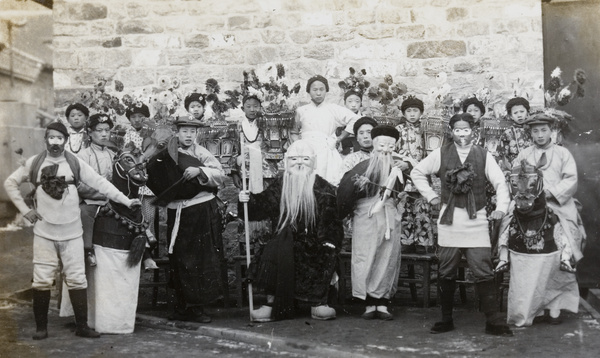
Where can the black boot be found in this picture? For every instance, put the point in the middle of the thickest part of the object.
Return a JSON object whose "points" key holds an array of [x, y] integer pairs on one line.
{"points": [[41, 303], [495, 322], [447, 288], [79, 302]]}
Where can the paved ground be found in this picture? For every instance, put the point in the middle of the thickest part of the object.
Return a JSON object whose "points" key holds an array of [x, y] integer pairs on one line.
{"points": [[232, 335]]}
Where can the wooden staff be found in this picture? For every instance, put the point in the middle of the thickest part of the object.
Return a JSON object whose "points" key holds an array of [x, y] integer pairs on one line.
{"points": [[246, 226]]}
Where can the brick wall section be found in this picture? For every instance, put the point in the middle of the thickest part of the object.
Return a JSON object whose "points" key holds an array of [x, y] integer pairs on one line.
{"points": [[137, 41]]}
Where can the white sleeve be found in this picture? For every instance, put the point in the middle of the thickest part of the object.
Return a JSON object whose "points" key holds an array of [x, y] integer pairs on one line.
{"points": [[428, 166], [496, 177]]}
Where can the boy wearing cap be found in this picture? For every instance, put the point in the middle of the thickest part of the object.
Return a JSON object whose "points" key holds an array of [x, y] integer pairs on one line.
{"points": [[317, 122], [194, 225], [515, 138], [463, 225], [417, 234], [77, 114], [194, 104], [362, 132], [57, 223], [352, 101], [475, 108], [560, 180]]}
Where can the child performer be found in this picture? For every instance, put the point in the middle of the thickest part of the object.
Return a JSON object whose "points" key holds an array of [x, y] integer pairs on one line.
{"points": [[77, 115]]}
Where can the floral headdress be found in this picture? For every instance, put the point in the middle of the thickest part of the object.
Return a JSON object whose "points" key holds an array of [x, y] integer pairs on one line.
{"points": [[443, 103], [275, 95], [220, 105], [388, 94], [356, 81]]}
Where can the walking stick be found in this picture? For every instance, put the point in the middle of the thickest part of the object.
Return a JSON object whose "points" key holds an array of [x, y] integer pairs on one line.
{"points": [[246, 227]]}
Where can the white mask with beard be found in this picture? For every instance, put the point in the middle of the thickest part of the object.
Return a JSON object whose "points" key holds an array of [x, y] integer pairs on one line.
{"points": [[297, 196], [380, 163]]}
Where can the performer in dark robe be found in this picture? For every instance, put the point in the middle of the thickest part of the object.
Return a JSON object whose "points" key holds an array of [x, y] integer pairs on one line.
{"points": [[302, 208], [187, 176]]}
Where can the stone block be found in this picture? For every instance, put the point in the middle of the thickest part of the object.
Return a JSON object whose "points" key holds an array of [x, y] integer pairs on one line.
{"points": [[205, 23], [360, 17], [472, 28], [184, 57], [319, 52], [245, 38], [428, 15], [360, 50], [289, 52], [153, 41], [317, 19], [379, 68], [198, 74], [138, 58], [169, 8], [333, 34], [301, 36], [279, 19], [85, 11], [430, 49], [102, 28], [454, 14], [138, 27], [235, 73], [411, 32], [238, 23], [272, 36], [407, 69], [376, 31], [138, 77], [196, 41], [261, 54], [66, 96], [87, 77], [60, 79], [70, 29], [511, 26], [90, 58], [439, 31], [223, 56], [389, 15], [114, 42], [432, 67], [391, 49], [64, 59], [220, 7], [136, 10], [221, 40]]}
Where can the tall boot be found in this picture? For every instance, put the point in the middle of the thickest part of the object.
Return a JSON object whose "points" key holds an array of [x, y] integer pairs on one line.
{"points": [[41, 303], [447, 288], [79, 302], [495, 322]]}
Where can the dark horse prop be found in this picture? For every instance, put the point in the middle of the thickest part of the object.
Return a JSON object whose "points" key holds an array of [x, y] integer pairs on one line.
{"points": [[531, 228], [116, 225]]}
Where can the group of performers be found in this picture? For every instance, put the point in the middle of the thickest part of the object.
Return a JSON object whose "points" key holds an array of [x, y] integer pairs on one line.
{"points": [[385, 190]]}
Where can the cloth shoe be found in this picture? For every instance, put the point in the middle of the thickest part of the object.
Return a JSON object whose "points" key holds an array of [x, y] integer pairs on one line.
{"points": [[554, 320], [322, 312], [79, 302], [263, 314], [41, 303], [383, 314], [197, 315], [442, 327], [370, 312]]}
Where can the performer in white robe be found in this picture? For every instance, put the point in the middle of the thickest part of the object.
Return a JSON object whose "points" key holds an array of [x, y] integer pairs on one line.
{"points": [[317, 122]]}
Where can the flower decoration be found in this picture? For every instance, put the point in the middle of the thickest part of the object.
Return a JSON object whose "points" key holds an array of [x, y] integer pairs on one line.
{"points": [[557, 93], [220, 105], [356, 81], [388, 94], [99, 100], [276, 94]]}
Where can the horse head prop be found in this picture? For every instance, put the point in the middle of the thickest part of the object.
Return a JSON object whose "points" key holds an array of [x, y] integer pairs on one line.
{"points": [[129, 168], [526, 184]]}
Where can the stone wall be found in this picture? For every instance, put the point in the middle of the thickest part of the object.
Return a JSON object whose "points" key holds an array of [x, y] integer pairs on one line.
{"points": [[492, 43]]}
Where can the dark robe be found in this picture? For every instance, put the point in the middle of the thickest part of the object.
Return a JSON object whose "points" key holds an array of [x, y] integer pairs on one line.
{"points": [[308, 275]]}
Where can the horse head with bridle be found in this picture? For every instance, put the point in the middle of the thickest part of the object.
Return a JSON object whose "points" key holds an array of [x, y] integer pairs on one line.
{"points": [[118, 226]]}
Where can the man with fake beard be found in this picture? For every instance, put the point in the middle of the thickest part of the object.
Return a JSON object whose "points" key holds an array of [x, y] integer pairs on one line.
{"points": [[463, 227], [57, 223], [306, 227], [369, 192]]}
